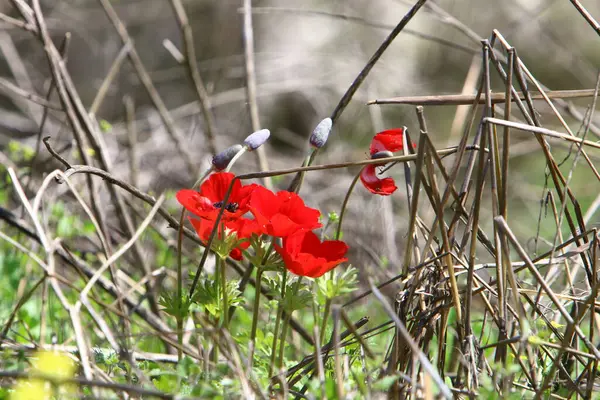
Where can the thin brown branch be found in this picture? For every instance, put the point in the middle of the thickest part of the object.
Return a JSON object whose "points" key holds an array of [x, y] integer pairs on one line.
{"points": [[144, 77], [251, 91], [17, 23], [468, 99], [587, 16], [543, 131], [9, 88], [416, 351], [210, 127], [345, 100], [364, 22], [505, 230], [110, 76]]}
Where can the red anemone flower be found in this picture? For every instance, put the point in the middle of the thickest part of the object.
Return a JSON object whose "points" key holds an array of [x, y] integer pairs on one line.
{"points": [[305, 255], [207, 202], [243, 228], [283, 213], [389, 140]]}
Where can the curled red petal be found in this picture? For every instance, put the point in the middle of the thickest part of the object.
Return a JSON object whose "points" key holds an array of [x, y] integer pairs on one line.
{"points": [[390, 140], [374, 184]]}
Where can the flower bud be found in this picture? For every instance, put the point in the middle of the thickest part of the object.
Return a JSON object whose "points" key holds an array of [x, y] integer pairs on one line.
{"points": [[257, 139], [382, 154], [319, 135], [221, 160]]}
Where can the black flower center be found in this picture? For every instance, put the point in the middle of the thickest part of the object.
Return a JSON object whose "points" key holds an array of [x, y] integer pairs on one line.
{"points": [[231, 207]]}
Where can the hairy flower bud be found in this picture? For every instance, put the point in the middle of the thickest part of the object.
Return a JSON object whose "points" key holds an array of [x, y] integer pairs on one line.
{"points": [[382, 154], [221, 160], [257, 139], [319, 135]]}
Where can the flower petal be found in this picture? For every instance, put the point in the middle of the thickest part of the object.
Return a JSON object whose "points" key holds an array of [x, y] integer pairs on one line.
{"points": [[202, 228], [390, 140], [236, 254], [332, 250], [215, 187], [245, 227], [243, 195], [263, 203], [207, 202], [375, 185], [304, 254], [326, 267], [194, 202], [293, 206], [283, 213], [281, 225]]}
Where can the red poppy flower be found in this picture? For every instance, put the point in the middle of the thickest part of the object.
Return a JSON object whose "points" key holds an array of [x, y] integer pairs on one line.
{"points": [[283, 213], [305, 255], [389, 140], [242, 228], [207, 202]]}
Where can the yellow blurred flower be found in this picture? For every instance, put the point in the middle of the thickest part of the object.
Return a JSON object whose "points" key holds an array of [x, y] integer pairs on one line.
{"points": [[51, 364]]}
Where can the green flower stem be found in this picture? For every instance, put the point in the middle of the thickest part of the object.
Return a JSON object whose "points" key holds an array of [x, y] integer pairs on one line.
{"points": [[221, 268], [338, 233], [299, 178], [317, 336], [311, 157], [259, 272], [277, 321], [324, 320], [246, 277], [257, 292], [178, 316], [203, 177], [235, 158], [314, 306], [286, 324]]}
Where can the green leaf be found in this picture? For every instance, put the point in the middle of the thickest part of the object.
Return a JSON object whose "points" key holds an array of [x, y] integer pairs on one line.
{"points": [[208, 296], [333, 217], [338, 284], [297, 299], [174, 306], [105, 126], [165, 383], [385, 383], [535, 340], [66, 227]]}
